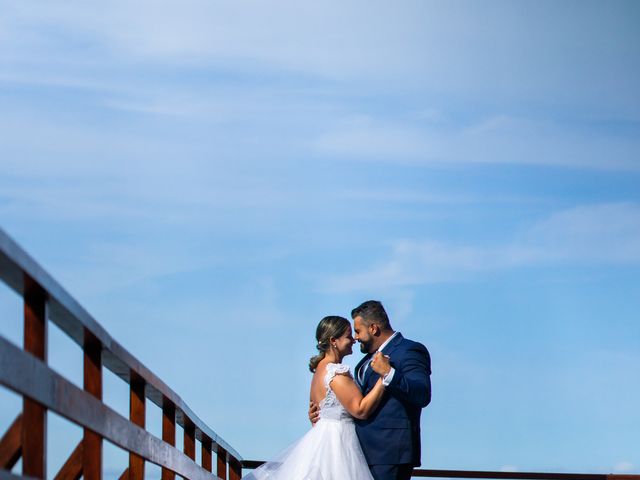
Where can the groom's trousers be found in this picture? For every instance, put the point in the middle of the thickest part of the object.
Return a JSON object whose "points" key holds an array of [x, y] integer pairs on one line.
{"points": [[391, 472]]}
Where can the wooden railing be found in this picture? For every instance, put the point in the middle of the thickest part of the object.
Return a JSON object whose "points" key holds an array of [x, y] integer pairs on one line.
{"points": [[25, 371], [418, 472]]}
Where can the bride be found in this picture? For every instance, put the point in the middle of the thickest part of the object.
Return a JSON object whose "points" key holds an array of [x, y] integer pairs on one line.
{"points": [[330, 450]]}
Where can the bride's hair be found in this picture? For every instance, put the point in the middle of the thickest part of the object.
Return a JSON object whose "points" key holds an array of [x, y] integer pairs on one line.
{"points": [[328, 328]]}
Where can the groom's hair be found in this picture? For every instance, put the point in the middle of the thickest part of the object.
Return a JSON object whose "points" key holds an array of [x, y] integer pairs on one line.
{"points": [[372, 311]]}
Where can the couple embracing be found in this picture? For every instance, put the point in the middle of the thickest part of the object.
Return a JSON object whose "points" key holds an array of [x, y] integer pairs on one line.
{"points": [[366, 425]]}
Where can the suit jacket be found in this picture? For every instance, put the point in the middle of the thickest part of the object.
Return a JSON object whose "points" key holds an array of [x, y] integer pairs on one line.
{"points": [[391, 435]]}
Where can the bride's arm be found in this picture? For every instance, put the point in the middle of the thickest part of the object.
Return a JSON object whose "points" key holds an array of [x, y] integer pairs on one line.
{"points": [[351, 397]]}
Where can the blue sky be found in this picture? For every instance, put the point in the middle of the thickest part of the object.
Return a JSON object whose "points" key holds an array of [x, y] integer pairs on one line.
{"points": [[209, 179]]}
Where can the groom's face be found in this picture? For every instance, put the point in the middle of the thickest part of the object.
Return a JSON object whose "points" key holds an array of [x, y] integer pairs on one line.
{"points": [[363, 335]]}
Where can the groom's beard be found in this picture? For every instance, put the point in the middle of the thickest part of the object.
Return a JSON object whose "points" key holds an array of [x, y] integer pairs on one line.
{"points": [[365, 347]]}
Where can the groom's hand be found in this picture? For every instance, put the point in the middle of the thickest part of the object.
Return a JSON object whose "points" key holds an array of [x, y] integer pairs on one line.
{"points": [[380, 364], [314, 413]]}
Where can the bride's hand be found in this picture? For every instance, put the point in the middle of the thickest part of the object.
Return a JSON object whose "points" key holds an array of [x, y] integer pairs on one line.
{"points": [[380, 364]]}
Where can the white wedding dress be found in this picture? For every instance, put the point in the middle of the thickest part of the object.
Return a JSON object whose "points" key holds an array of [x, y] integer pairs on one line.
{"points": [[329, 451]]}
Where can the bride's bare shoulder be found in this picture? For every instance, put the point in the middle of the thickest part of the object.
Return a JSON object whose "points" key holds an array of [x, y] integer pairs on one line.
{"points": [[321, 370]]}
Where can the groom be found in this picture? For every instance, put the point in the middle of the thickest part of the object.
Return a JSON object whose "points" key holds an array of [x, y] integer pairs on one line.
{"points": [[390, 437]]}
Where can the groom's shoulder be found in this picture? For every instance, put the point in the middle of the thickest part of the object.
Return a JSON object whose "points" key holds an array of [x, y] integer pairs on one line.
{"points": [[407, 342], [413, 345]]}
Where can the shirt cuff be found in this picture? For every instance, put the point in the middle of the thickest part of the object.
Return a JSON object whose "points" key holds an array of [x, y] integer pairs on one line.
{"points": [[386, 380]]}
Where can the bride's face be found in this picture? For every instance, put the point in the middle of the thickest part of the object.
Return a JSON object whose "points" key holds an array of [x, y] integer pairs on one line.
{"points": [[345, 343]]}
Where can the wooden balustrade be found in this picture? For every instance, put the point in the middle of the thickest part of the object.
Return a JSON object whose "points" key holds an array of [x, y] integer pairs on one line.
{"points": [[25, 371], [421, 473]]}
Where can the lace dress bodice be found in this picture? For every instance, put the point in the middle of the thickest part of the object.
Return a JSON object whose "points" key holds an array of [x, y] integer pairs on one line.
{"points": [[330, 406], [328, 451]]}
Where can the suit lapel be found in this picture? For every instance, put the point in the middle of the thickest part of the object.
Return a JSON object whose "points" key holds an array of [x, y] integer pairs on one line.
{"points": [[367, 377], [358, 367], [393, 344]]}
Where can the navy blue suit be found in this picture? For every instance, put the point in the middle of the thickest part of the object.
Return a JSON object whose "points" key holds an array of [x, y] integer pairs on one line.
{"points": [[391, 435]]}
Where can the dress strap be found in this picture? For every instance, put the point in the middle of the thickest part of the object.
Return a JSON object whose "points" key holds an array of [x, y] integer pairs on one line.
{"points": [[334, 369]]}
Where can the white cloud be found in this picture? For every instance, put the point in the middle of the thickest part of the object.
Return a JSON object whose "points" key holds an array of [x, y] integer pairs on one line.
{"points": [[361, 136], [508, 50], [586, 235], [605, 233], [499, 139]]}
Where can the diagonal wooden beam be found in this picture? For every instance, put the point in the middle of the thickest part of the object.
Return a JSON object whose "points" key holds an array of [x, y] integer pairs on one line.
{"points": [[11, 445], [125, 475], [72, 468]]}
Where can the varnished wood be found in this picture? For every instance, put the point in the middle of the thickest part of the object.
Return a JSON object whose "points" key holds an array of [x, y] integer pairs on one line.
{"points": [[125, 475], [65, 312], [235, 469], [72, 468], [189, 440], [137, 414], [34, 415], [506, 475], [221, 456], [168, 433], [206, 445], [64, 398], [92, 445], [11, 445]]}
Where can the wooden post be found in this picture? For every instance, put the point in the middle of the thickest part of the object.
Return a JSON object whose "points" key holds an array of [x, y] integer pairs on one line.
{"points": [[34, 417], [189, 438], [206, 445], [235, 469], [168, 432], [92, 449], [137, 416], [222, 463]]}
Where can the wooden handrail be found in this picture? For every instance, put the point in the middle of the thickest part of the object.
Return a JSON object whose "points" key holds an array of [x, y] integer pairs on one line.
{"points": [[46, 300], [59, 395], [73, 319], [26, 372], [516, 475], [417, 472]]}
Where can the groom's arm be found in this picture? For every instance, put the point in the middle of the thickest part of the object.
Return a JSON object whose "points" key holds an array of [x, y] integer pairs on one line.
{"points": [[411, 380]]}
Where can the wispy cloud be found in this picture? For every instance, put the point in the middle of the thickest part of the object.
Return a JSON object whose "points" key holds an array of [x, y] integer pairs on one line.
{"points": [[606, 234], [499, 139], [433, 46]]}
